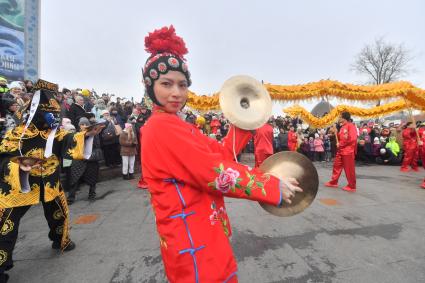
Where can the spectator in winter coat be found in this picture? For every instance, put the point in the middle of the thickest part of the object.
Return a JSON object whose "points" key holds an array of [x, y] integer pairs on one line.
{"points": [[328, 149], [376, 147], [387, 157], [76, 111], [319, 150], [393, 146], [128, 142], [283, 140], [118, 118], [16, 90], [98, 108], [311, 151], [10, 106], [3, 86], [305, 148], [29, 86]]}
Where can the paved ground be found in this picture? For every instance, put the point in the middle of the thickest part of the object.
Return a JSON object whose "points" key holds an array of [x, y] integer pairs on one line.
{"points": [[374, 235]]}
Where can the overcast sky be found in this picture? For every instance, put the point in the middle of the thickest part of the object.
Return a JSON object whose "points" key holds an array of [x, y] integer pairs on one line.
{"points": [[100, 43]]}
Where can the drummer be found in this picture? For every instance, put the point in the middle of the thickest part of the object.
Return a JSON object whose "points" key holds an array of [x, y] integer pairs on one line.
{"points": [[189, 174]]}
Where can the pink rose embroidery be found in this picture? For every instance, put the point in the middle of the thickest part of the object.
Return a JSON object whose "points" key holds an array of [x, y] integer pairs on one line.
{"points": [[219, 215], [229, 179], [226, 180]]}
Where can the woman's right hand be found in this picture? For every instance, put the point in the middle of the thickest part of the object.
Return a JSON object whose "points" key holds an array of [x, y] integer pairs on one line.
{"points": [[289, 187]]}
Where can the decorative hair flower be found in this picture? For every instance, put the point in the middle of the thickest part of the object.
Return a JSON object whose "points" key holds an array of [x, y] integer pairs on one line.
{"points": [[165, 40]]}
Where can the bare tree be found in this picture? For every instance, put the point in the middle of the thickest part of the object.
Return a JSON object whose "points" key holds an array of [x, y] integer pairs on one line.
{"points": [[383, 62]]}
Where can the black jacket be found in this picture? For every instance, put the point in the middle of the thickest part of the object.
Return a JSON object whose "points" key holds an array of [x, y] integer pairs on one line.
{"points": [[75, 113]]}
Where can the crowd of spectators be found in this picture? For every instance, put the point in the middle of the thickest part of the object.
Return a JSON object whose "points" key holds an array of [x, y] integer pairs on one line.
{"points": [[376, 143], [119, 140], [116, 145]]}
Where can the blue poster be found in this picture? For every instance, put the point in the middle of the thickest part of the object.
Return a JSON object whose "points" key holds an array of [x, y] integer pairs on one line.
{"points": [[12, 52], [12, 39]]}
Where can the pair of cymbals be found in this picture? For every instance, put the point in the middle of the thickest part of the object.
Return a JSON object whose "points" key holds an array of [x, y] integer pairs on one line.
{"points": [[292, 164]]}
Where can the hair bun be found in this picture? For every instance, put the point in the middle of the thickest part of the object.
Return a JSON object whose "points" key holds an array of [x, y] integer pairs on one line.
{"points": [[165, 40]]}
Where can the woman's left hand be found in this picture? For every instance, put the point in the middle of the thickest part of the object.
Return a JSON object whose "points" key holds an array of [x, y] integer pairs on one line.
{"points": [[289, 187]]}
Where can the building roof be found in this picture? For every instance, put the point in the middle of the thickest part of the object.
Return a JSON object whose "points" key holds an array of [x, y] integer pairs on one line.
{"points": [[321, 108]]}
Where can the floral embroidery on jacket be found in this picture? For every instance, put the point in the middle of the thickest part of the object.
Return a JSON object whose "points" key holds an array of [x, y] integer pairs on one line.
{"points": [[228, 179], [219, 215]]}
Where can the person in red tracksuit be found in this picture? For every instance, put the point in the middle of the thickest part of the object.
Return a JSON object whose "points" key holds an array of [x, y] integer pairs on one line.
{"points": [[292, 139], [263, 143], [410, 147], [421, 142], [345, 156]]}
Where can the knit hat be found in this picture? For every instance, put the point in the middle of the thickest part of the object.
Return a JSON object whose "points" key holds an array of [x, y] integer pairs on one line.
{"points": [[167, 51], [15, 84], [382, 151], [84, 121], [376, 140], [69, 127], [85, 92]]}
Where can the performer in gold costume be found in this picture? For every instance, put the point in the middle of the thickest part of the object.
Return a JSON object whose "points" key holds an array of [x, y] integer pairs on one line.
{"points": [[30, 156]]}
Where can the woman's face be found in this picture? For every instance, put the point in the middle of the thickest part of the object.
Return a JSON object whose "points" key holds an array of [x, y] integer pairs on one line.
{"points": [[16, 91], [171, 91]]}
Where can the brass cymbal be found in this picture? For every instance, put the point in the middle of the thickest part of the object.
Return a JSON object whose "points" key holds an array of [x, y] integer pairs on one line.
{"points": [[245, 102], [292, 164]]}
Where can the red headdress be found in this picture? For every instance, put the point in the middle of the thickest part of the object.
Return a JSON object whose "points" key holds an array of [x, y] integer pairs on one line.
{"points": [[167, 51], [165, 40]]}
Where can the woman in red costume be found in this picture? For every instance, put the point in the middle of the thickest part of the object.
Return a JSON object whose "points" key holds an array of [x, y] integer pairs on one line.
{"points": [[189, 174]]}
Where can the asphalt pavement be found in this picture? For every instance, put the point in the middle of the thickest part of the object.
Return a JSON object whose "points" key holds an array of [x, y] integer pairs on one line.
{"points": [[374, 235]]}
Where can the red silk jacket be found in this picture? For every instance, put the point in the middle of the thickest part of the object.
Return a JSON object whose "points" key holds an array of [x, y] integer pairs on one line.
{"points": [[188, 176]]}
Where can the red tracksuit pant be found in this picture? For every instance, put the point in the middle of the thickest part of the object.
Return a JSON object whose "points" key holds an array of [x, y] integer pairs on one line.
{"points": [[346, 162], [410, 158]]}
